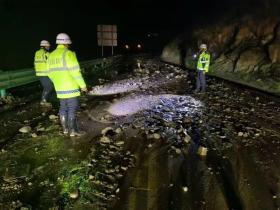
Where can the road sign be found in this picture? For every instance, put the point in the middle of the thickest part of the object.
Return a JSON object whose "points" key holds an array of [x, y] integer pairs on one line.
{"points": [[107, 36]]}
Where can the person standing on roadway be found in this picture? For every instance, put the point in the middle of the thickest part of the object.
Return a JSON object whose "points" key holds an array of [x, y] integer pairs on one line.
{"points": [[65, 73], [202, 68], [40, 66]]}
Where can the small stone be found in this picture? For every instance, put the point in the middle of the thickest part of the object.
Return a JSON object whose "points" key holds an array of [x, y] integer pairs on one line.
{"points": [[91, 177], [124, 168], [227, 109], [40, 129], [74, 194], [202, 151], [25, 129], [274, 197], [240, 134], [107, 131], [3, 151], [185, 189], [53, 117], [187, 139], [156, 136], [104, 140], [120, 143], [245, 135], [118, 130], [34, 135], [178, 151]]}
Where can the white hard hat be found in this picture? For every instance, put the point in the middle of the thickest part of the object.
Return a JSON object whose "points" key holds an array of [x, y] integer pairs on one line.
{"points": [[63, 38], [203, 46], [44, 43]]}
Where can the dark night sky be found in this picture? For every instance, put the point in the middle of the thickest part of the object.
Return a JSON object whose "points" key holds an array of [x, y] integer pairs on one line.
{"points": [[25, 23]]}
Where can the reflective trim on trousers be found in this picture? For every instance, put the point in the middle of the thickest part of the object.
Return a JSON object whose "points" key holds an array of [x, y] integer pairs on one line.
{"points": [[68, 91]]}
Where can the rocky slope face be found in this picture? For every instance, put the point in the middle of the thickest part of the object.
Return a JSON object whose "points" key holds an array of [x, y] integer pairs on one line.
{"points": [[246, 50]]}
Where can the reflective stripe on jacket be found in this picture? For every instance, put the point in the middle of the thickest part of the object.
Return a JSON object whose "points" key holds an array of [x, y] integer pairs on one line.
{"points": [[40, 62], [203, 62], [65, 73]]}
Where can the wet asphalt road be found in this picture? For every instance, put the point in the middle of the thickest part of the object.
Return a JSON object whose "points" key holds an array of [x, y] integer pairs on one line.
{"points": [[239, 126]]}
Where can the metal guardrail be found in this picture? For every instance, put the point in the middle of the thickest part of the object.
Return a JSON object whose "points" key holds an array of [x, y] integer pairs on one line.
{"points": [[10, 79], [16, 78]]}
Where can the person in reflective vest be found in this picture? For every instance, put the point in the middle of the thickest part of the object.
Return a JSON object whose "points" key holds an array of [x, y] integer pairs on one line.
{"points": [[40, 66], [202, 68], [65, 73]]}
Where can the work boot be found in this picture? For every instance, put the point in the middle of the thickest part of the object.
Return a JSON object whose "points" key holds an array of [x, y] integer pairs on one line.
{"points": [[73, 128], [44, 99], [63, 121]]}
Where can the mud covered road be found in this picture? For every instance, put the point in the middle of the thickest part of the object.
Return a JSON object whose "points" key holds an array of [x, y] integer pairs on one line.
{"points": [[145, 132]]}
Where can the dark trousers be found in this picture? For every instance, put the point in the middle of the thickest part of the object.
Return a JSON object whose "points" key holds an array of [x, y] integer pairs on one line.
{"points": [[200, 81], [191, 77], [69, 107], [47, 86]]}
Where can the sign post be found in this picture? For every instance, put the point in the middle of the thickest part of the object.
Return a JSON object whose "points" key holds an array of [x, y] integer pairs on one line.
{"points": [[107, 36]]}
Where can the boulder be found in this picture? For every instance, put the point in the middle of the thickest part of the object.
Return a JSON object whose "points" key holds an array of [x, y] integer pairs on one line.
{"points": [[171, 53], [274, 52], [250, 60]]}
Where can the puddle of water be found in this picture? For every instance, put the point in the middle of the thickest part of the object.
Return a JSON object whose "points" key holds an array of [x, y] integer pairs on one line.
{"points": [[132, 105]]}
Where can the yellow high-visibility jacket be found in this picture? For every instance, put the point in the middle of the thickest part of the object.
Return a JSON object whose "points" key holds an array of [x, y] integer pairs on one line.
{"points": [[40, 62], [65, 73], [203, 61]]}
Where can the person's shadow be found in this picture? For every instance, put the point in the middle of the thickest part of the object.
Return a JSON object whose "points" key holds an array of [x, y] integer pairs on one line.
{"points": [[191, 72]]}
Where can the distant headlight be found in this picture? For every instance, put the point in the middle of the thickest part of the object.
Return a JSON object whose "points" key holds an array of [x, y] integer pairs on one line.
{"points": [[126, 46], [139, 46]]}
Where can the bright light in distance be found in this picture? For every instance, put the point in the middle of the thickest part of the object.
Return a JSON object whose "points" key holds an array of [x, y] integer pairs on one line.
{"points": [[194, 55], [132, 105], [126, 46], [139, 46]]}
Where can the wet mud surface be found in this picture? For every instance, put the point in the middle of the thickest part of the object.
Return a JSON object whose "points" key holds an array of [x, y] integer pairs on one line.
{"points": [[144, 147]]}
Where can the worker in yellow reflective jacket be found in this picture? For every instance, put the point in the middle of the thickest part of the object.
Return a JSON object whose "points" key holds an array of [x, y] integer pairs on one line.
{"points": [[202, 68], [65, 73], [40, 66]]}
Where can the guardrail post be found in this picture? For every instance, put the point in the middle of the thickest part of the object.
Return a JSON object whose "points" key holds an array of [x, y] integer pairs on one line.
{"points": [[2, 93]]}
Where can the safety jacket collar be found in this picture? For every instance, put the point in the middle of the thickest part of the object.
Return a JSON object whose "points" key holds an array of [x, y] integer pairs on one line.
{"points": [[60, 46]]}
